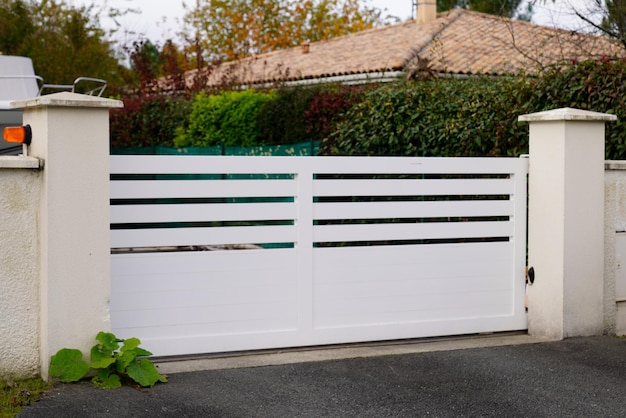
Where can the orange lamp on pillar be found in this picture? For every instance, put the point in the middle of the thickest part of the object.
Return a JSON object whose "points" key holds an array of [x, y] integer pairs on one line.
{"points": [[18, 134]]}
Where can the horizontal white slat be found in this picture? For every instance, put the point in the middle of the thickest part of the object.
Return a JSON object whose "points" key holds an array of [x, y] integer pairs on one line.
{"points": [[170, 164], [202, 236], [413, 209], [414, 231], [440, 254], [219, 331], [420, 303], [208, 280], [280, 275], [414, 308], [387, 265], [201, 271], [431, 187], [198, 297], [202, 212], [261, 309], [190, 292], [271, 334], [163, 189], [202, 164], [420, 165], [150, 265]]}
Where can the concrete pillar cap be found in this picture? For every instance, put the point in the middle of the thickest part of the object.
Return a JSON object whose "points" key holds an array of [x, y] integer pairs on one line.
{"points": [[567, 114]]}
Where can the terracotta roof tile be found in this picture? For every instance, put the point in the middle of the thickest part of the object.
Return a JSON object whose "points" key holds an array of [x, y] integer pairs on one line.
{"points": [[457, 42]]}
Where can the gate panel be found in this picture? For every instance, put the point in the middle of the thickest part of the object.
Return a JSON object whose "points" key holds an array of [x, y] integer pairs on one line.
{"points": [[197, 302], [215, 254], [387, 285]]}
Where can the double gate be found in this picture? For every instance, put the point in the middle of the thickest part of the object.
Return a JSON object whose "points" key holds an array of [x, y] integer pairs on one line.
{"points": [[218, 254]]}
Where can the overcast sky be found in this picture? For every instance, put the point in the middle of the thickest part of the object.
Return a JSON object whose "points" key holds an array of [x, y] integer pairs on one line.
{"points": [[161, 19]]}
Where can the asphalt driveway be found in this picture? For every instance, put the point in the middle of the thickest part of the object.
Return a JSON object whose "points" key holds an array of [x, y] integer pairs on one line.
{"points": [[581, 377]]}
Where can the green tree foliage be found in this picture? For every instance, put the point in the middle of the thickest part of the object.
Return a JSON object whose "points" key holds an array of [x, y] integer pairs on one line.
{"points": [[64, 41], [614, 19], [233, 29], [150, 63], [506, 8], [605, 16]]}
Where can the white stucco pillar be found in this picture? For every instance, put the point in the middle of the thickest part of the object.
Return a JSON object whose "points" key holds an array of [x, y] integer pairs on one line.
{"points": [[71, 137], [566, 222]]}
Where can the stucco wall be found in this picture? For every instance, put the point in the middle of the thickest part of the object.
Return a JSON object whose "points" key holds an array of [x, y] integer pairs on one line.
{"points": [[615, 226], [19, 269]]}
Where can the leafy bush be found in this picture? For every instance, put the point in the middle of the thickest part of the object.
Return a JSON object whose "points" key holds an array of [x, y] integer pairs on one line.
{"points": [[110, 362], [478, 116], [596, 85], [442, 117], [328, 108], [228, 119], [446, 117], [281, 120], [148, 121]]}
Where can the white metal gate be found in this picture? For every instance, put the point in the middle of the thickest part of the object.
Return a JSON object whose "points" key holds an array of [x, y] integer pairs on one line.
{"points": [[337, 249]]}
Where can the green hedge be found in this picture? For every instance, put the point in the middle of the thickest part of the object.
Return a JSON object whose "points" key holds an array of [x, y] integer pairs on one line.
{"points": [[598, 85], [308, 113], [281, 120], [227, 119], [476, 116], [148, 121], [288, 115], [445, 117]]}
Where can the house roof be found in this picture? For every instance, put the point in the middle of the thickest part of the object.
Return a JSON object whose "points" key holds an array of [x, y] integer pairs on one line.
{"points": [[457, 42]]}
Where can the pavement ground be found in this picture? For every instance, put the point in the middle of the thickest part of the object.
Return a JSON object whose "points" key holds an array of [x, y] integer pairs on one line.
{"points": [[497, 376]]}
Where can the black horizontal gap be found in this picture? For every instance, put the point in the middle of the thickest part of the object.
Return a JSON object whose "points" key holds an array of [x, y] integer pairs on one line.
{"points": [[411, 176], [411, 220], [173, 225], [417, 198], [203, 200], [191, 248], [410, 242], [225, 176]]}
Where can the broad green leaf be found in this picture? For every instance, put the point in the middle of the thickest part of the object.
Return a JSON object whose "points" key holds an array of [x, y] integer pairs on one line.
{"points": [[108, 341], [98, 353], [130, 344], [145, 373], [107, 382], [103, 373], [141, 352], [102, 363], [68, 365], [124, 360]]}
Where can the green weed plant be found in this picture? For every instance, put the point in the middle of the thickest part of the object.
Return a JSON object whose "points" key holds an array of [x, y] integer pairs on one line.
{"points": [[112, 361]]}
